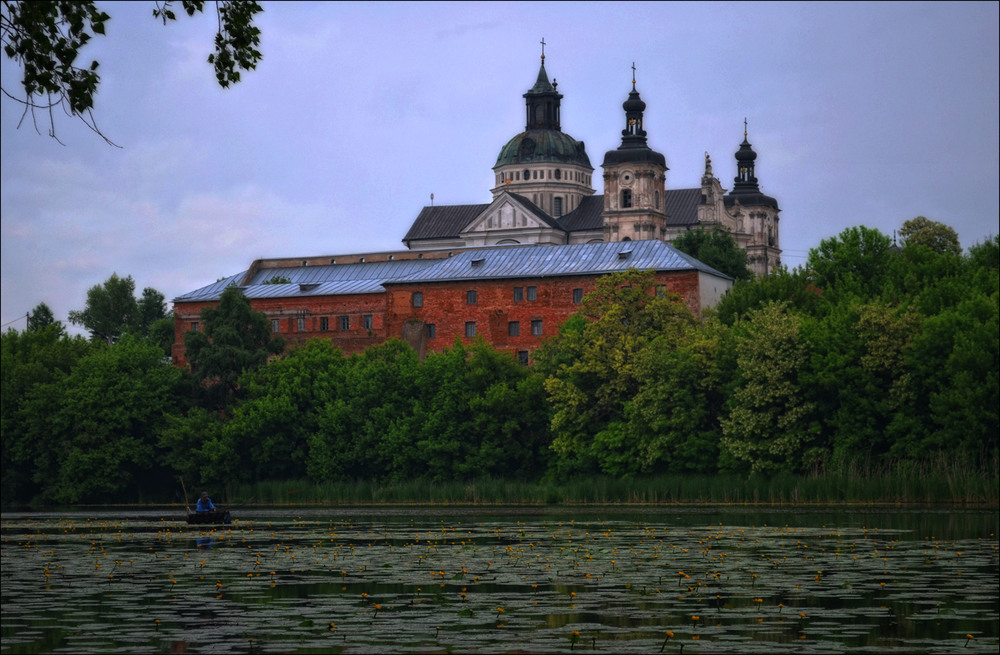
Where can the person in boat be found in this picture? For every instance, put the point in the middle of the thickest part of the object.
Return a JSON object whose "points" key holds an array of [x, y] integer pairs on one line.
{"points": [[204, 503]]}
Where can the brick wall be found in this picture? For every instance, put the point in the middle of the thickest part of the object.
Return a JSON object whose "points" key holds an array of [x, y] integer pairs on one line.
{"points": [[444, 305]]}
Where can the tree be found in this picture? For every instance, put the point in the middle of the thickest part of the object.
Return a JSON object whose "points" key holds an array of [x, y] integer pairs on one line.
{"points": [[41, 317], [769, 424], [111, 309], [921, 231], [591, 373], [856, 261], [718, 249], [45, 38], [235, 340]]}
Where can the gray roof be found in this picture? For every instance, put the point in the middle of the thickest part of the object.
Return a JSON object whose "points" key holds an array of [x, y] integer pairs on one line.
{"points": [[586, 216], [681, 206], [443, 222], [307, 281], [487, 263], [536, 261], [447, 222]]}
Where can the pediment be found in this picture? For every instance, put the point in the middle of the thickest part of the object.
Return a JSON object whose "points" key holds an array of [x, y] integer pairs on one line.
{"points": [[507, 213]]}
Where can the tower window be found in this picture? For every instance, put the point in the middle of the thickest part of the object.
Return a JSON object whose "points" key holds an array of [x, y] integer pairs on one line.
{"points": [[558, 173], [657, 197], [527, 175], [557, 205], [626, 198]]}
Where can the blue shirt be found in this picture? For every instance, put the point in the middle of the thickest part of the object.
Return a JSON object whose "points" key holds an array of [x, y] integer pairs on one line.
{"points": [[204, 505]]}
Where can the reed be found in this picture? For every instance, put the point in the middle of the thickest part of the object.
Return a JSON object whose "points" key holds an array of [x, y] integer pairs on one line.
{"points": [[942, 481]]}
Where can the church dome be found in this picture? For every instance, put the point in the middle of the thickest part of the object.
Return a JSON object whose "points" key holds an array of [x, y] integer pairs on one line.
{"points": [[543, 146], [745, 153]]}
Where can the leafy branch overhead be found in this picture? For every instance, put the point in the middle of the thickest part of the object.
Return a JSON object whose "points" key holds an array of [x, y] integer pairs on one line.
{"points": [[45, 39]]}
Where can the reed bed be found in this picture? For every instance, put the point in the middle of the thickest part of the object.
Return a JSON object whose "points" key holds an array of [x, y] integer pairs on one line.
{"points": [[942, 482]]}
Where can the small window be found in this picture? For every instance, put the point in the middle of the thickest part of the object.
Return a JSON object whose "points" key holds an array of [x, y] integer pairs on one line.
{"points": [[577, 296], [470, 328], [345, 323], [518, 294], [194, 326], [470, 297], [431, 330], [324, 324], [536, 327], [661, 291], [418, 299], [557, 209], [275, 325], [367, 321], [626, 198], [300, 324], [532, 293], [514, 329], [558, 174], [527, 174], [657, 196], [522, 357]]}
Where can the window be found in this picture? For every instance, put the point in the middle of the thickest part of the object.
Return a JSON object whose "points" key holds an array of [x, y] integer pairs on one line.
{"points": [[275, 325], [557, 209], [522, 357], [527, 174], [417, 299], [558, 173], [657, 196], [661, 291], [194, 326], [536, 327], [470, 328], [532, 293], [470, 297], [431, 330], [577, 296], [300, 324], [345, 323], [518, 294], [626, 198], [367, 321], [324, 324], [514, 329]]}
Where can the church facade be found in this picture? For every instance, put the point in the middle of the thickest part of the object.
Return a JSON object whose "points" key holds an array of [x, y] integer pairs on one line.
{"points": [[511, 270]]}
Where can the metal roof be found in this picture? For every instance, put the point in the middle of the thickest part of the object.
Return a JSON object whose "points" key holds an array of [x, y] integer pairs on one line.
{"points": [[306, 281], [487, 263], [537, 261]]}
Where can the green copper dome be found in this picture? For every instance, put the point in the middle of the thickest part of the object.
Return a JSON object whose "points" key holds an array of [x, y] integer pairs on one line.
{"points": [[539, 146]]}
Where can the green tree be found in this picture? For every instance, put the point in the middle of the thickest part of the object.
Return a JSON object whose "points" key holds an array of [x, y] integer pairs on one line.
{"points": [[718, 249], [111, 309], [921, 231], [235, 340], [793, 287], [101, 423], [769, 424], [854, 262], [41, 317], [34, 364], [45, 38], [592, 373]]}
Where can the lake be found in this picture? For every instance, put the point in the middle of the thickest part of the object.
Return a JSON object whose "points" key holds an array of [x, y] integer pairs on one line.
{"points": [[421, 579]]}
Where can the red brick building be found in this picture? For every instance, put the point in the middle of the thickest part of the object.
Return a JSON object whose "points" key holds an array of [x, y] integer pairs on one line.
{"points": [[512, 296]]}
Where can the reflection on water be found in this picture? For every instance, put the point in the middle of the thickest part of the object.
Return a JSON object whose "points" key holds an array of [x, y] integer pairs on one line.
{"points": [[525, 579]]}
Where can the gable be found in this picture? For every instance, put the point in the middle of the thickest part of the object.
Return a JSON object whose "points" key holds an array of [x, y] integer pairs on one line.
{"points": [[510, 212]]}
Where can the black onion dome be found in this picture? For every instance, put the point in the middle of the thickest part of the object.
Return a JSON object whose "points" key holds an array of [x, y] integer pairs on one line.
{"points": [[634, 102], [745, 153], [543, 146]]}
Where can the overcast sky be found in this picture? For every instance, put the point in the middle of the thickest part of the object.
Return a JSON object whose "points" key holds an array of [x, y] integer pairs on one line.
{"points": [[860, 113]]}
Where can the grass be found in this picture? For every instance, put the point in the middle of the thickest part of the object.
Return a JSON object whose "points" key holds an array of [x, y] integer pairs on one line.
{"points": [[944, 482]]}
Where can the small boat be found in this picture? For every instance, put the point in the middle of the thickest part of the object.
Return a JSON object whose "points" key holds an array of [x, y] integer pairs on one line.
{"points": [[218, 516]]}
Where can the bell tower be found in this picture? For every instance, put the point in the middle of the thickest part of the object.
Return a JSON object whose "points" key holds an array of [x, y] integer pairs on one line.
{"points": [[635, 178]]}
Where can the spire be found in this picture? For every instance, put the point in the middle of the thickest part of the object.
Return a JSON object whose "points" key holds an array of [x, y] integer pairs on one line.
{"points": [[634, 147], [542, 101], [745, 181]]}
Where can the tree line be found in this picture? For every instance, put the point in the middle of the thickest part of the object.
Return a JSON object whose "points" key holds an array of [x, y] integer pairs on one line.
{"points": [[868, 355]]}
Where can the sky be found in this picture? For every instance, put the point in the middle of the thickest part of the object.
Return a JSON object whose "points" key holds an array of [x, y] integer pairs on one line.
{"points": [[860, 114]]}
